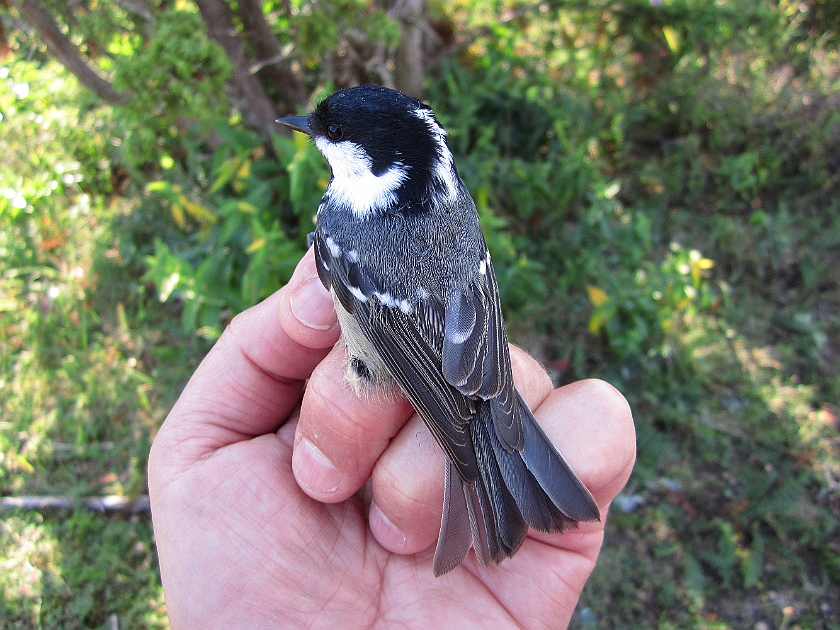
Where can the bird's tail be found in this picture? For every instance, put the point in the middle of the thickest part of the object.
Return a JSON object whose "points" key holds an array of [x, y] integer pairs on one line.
{"points": [[518, 487]]}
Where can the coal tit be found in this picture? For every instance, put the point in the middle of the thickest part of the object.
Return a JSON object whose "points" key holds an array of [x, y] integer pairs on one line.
{"points": [[398, 244]]}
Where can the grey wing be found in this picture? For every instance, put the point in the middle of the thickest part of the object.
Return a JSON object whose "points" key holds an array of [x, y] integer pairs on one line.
{"points": [[409, 344], [452, 361], [475, 353]]}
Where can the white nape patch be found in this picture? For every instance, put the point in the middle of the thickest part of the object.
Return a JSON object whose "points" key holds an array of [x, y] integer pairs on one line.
{"points": [[353, 183], [335, 250], [357, 293], [445, 167]]}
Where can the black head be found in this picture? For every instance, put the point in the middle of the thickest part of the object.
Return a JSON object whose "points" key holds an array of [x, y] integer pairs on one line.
{"points": [[385, 149]]}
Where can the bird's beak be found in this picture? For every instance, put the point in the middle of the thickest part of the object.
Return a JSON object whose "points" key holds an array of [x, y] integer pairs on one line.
{"points": [[298, 123]]}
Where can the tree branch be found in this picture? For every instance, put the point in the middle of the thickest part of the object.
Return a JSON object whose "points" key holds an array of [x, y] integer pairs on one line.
{"points": [[140, 8], [112, 503], [247, 93], [276, 68], [66, 53]]}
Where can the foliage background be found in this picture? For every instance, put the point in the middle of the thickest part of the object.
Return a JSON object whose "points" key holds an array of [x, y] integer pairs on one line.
{"points": [[658, 182]]}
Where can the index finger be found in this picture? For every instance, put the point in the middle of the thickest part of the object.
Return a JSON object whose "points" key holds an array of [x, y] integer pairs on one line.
{"points": [[254, 376]]}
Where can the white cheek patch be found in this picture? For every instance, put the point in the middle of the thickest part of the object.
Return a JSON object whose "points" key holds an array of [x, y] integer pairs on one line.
{"points": [[445, 167], [353, 184]]}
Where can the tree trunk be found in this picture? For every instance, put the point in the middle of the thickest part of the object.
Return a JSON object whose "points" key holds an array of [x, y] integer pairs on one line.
{"points": [[284, 83], [408, 65], [247, 93], [66, 53]]}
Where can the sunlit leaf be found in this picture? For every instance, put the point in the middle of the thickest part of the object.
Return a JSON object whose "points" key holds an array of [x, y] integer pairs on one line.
{"points": [[178, 215], [168, 286], [23, 463], [225, 172], [158, 186], [257, 244], [597, 321], [244, 170], [247, 208], [197, 211], [671, 38], [596, 295]]}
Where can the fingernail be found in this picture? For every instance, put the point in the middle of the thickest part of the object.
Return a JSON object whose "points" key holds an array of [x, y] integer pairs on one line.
{"points": [[385, 531], [313, 470], [313, 305]]}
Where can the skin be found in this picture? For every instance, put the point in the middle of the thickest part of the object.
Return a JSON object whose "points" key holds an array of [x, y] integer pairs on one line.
{"points": [[264, 516]]}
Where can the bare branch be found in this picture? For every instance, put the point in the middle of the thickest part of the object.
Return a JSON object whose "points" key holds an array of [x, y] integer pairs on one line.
{"points": [[66, 53], [112, 503]]}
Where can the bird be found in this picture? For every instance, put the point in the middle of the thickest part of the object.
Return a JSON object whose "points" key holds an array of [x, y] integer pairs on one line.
{"points": [[399, 246]]}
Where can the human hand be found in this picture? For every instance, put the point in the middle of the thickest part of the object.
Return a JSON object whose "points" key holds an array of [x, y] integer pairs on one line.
{"points": [[256, 529]]}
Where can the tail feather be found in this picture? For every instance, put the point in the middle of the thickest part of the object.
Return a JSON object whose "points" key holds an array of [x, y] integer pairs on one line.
{"points": [[507, 425], [482, 524], [530, 486], [456, 535], [510, 527], [536, 508], [554, 475]]}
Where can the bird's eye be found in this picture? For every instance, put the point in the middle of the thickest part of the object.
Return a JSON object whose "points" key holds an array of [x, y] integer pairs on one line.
{"points": [[334, 133]]}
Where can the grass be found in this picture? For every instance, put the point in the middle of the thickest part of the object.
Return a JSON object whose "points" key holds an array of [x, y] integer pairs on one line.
{"points": [[738, 419], [82, 393], [668, 190]]}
